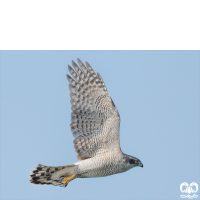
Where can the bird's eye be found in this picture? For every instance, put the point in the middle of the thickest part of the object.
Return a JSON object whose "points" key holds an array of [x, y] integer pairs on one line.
{"points": [[131, 161]]}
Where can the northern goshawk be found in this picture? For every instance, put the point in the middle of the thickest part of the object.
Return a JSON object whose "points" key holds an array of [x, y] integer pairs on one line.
{"points": [[95, 125]]}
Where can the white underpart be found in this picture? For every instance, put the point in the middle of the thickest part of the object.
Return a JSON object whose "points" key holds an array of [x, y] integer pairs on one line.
{"points": [[77, 163]]}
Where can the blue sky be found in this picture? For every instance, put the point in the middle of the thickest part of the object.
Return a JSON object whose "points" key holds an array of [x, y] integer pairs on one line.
{"points": [[157, 96]]}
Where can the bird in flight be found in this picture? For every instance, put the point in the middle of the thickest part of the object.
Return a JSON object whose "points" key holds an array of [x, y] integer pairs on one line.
{"points": [[95, 123]]}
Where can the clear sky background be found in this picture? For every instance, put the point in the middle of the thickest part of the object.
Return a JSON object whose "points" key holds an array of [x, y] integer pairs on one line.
{"points": [[157, 96]]}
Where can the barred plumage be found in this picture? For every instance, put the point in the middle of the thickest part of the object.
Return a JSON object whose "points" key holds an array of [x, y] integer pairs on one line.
{"points": [[95, 126]]}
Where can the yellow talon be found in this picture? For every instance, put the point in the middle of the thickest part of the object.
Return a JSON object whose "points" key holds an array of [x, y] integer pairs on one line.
{"points": [[68, 179]]}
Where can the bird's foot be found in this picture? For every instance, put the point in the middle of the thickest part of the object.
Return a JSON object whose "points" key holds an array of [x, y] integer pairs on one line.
{"points": [[66, 179]]}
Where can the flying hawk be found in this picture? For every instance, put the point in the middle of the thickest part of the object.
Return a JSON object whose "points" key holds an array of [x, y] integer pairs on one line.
{"points": [[95, 125]]}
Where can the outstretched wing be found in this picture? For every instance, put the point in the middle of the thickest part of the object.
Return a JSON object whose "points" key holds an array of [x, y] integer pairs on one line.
{"points": [[94, 118]]}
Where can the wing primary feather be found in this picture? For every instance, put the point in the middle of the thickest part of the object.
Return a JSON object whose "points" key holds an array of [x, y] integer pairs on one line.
{"points": [[79, 71], [71, 80], [74, 74], [83, 67], [90, 68], [98, 81], [101, 79]]}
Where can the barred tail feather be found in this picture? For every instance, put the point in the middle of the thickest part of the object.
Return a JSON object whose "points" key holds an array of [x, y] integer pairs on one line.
{"points": [[46, 175]]}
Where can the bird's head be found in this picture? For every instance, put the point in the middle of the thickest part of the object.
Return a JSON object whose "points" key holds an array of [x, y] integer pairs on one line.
{"points": [[133, 161]]}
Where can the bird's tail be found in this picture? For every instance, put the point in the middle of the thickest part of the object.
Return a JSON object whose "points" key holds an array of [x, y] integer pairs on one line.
{"points": [[46, 175]]}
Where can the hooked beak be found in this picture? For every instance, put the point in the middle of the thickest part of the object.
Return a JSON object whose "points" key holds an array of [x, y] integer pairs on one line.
{"points": [[141, 165]]}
